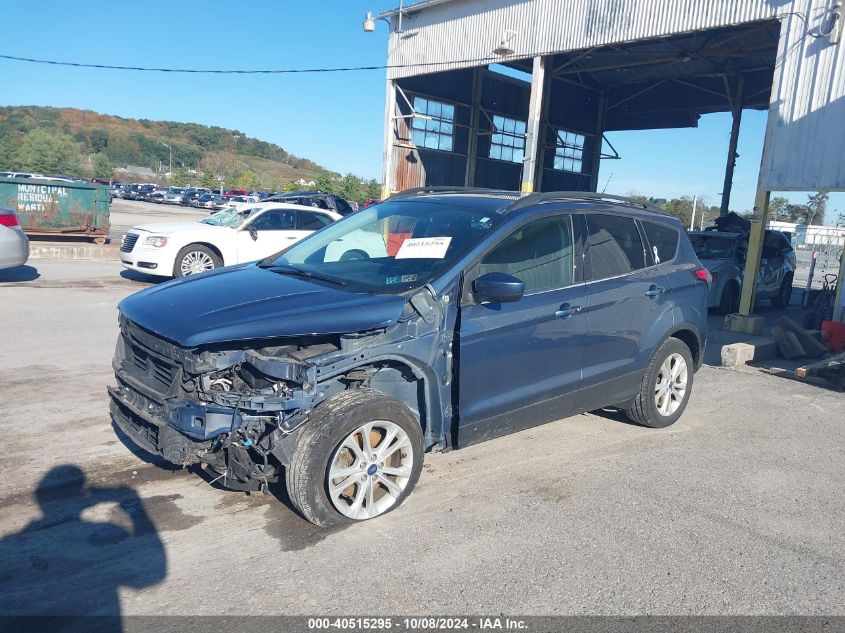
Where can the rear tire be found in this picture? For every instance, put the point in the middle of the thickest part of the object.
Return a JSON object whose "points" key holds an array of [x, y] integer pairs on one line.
{"points": [[666, 386], [333, 477], [194, 259], [729, 302], [784, 294]]}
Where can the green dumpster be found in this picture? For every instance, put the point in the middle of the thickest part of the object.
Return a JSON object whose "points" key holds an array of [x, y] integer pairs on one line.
{"points": [[57, 207]]}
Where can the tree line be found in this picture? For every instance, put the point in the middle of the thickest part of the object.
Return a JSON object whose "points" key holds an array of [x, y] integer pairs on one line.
{"points": [[814, 211]]}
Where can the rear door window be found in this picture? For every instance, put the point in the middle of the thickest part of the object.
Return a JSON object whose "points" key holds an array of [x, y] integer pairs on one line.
{"points": [[614, 246], [312, 221], [662, 241], [275, 220]]}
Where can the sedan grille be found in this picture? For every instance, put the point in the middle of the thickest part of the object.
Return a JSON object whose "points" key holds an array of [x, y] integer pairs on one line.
{"points": [[129, 242]]}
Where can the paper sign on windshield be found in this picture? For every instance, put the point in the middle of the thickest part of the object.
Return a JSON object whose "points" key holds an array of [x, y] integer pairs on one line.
{"points": [[424, 248]]}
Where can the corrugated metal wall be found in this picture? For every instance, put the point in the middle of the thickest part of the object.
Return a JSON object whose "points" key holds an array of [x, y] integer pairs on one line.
{"points": [[805, 136]]}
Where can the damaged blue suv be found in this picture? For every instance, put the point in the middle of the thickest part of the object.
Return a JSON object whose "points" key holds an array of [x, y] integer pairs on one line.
{"points": [[485, 313]]}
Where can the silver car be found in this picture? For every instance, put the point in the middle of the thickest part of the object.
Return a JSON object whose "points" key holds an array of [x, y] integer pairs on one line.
{"points": [[723, 254], [14, 245]]}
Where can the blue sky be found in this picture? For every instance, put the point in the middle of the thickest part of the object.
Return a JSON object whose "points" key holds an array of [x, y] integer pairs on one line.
{"points": [[334, 119]]}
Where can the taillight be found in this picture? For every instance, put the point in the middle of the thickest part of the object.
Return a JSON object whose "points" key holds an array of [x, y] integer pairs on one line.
{"points": [[704, 275], [9, 219]]}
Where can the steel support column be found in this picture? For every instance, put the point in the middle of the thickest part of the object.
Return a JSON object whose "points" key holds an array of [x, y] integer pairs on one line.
{"points": [[736, 113], [389, 123], [599, 138], [534, 133], [474, 118], [755, 250]]}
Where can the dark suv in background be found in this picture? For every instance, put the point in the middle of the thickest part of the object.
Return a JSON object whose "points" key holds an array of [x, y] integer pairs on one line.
{"points": [[484, 314], [327, 201]]}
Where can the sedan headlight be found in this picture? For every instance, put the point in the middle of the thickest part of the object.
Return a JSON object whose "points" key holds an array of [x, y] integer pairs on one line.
{"points": [[156, 240]]}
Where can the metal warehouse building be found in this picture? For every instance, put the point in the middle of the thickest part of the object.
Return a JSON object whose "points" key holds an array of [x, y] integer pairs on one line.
{"points": [[595, 66]]}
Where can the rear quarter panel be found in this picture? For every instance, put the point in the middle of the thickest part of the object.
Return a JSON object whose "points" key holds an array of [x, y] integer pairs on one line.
{"points": [[690, 296]]}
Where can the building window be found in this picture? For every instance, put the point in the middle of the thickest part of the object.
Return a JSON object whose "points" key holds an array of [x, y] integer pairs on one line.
{"points": [[435, 131], [569, 152], [508, 141]]}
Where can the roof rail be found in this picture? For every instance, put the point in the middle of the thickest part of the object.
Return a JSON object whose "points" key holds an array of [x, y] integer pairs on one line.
{"points": [[421, 191], [549, 196]]}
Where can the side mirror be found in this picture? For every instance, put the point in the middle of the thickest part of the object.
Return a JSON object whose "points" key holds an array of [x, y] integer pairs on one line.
{"points": [[497, 288], [253, 233]]}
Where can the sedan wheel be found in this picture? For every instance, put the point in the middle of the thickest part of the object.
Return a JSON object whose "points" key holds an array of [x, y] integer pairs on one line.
{"points": [[370, 470], [195, 259]]}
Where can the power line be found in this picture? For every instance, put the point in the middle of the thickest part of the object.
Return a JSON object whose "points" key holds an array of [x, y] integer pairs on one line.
{"points": [[268, 71], [343, 69]]}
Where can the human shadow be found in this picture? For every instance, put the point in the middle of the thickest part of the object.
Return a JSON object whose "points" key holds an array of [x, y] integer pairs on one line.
{"points": [[63, 570]]}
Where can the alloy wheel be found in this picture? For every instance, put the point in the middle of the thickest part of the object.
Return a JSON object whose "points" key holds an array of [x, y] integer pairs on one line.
{"points": [[196, 262], [671, 386], [370, 469]]}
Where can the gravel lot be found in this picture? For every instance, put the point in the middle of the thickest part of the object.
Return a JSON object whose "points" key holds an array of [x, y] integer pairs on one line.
{"points": [[737, 509]]}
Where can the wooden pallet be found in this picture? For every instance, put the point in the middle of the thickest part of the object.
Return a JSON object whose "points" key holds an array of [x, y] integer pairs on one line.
{"points": [[832, 369]]}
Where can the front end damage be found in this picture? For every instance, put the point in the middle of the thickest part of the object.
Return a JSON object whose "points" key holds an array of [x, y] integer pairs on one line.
{"points": [[234, 409]]}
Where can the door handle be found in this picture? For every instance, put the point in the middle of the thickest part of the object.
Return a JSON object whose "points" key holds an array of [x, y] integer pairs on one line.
{"points": [[566, 311], [291, 237], [654, 291]]}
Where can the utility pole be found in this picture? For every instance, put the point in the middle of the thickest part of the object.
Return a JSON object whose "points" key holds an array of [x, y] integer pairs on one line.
{"points": [[692, 219]]}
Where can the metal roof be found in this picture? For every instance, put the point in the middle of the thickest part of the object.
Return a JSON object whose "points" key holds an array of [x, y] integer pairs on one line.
{"points": [[804, 87], [442, 35]]}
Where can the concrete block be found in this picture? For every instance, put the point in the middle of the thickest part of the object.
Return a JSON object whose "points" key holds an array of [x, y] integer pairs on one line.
{"points": [[752, 325], [737, 354]]}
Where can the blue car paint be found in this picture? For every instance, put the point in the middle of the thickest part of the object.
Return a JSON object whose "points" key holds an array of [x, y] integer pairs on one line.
{"points": [[248, 302], [484, 370]]}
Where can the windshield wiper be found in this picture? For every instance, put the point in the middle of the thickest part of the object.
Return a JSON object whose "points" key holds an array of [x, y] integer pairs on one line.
{"points": [[298, 272]]}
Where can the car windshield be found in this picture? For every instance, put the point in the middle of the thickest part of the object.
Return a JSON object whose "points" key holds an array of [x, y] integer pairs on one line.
{"points": [[713, 246], [388, 248], [230, 216]]}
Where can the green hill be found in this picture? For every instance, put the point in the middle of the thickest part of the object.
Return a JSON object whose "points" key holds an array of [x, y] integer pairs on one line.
{"points": [[83, 143]]}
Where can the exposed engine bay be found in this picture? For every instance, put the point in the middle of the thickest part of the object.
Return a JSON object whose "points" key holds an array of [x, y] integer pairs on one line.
{"points": [[234, 409]]}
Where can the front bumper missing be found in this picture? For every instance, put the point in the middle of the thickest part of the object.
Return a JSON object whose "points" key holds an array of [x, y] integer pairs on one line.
{"points": [[154, 435]]}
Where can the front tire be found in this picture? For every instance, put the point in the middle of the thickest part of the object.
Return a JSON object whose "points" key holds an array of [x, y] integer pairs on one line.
{"points": [[729, 302], [666, 386], [358, 457], [784, 294], [195, 259]]}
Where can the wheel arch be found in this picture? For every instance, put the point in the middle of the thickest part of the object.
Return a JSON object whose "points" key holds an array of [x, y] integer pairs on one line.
{"points": [[213, 247], [403, 381], [690, 336]]}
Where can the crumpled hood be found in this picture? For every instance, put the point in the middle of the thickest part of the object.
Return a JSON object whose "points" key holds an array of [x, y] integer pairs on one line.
{"points": [[246, 302]]}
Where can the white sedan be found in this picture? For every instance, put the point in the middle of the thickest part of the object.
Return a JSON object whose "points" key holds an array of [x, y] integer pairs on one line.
{"points": [[233, 236]]}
